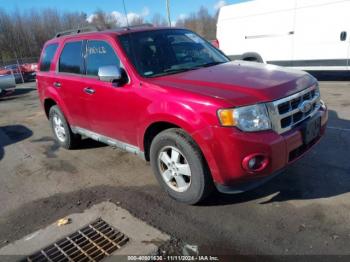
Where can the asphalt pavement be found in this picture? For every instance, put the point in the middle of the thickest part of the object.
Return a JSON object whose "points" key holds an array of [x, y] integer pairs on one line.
{"points": [[304, 211]]}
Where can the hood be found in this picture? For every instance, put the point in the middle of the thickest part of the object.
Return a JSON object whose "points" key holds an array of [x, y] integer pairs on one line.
{"points": [[240, 82]]}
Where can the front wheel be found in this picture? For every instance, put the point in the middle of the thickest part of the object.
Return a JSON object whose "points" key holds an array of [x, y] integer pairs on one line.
{"points": [[180, 166]]}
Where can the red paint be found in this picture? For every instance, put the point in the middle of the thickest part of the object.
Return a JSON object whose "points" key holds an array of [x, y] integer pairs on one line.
{"points": [[189, 100]]}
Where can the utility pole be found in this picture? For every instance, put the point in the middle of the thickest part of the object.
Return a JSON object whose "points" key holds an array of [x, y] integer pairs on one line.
{"points": [[168, 12], [126, 15]]}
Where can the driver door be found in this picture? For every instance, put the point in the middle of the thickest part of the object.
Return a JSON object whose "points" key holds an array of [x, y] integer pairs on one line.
{"points": [[108, 105]]}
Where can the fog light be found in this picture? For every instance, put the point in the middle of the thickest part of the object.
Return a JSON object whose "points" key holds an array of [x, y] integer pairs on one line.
{"points": [[255, 162], [252, 163]]}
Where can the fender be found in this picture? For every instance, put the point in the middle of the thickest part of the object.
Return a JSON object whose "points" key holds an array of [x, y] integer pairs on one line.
{"points": [[51, 93], [201, 137], [190, 121], [183, 116]]}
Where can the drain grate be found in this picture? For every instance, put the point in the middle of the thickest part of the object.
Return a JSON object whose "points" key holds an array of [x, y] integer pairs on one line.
{"points": [[91, 243]]}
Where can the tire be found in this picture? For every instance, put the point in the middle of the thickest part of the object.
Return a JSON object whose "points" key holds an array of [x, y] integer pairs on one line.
{"points": [[69, 140], [173, 144]]}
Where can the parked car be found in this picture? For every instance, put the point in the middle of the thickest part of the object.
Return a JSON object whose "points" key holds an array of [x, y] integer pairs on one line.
{"points": [[12, 70], [303, 34], [27, 71], [7, 85], [169, 96]]}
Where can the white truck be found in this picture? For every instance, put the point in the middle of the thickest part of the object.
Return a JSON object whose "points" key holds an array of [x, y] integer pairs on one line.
{"points": [[312, 35]]}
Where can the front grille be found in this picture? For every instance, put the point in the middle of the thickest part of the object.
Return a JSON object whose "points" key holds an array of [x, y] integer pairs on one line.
{"points": [[91, 243], [286, 113]]}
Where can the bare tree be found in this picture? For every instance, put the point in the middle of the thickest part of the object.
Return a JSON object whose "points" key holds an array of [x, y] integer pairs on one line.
{"points": [[136, 20], [201, 22], [103, 20], [22, 34], [159, 20]]}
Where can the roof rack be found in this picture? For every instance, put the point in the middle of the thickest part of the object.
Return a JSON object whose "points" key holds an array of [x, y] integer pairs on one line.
{"points": [[77, 31], [95, 29], [131, 27], [139, 26]]}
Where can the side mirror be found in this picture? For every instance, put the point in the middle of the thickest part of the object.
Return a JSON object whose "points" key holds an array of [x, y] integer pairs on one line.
{"points": [[110, 73]]}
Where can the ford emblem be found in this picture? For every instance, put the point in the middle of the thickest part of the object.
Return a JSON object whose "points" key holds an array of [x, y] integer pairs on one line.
{"points": [[305, 106]]}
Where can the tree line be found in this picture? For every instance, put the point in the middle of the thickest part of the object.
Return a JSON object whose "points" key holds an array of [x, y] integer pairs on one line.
{"points": [[22, 34]]}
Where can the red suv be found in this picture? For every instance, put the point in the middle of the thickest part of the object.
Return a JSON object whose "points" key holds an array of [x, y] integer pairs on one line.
{"points": [[172, 98]]}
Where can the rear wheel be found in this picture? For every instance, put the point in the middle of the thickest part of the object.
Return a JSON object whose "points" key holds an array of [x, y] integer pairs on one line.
{"points": [[252, 57], [61, 129], [180, 166]]}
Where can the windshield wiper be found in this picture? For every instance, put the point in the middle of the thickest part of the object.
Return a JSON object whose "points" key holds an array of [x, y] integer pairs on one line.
{"points": [[209, 64], [169, 71], [176, 70]]}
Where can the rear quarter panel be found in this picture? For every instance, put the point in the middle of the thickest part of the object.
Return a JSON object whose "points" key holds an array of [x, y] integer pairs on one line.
{"points": [[45, 79]]}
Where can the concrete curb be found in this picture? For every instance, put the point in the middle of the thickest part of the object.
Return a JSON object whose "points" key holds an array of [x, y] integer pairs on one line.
{"points": [[144, 239]]}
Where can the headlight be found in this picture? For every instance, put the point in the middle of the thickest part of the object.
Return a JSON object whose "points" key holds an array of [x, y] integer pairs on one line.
{"points": [[247, 118], [317, 91]]}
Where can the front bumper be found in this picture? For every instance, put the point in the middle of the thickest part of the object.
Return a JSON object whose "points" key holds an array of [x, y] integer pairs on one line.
{"points": [[244, 186], [227, 147]]}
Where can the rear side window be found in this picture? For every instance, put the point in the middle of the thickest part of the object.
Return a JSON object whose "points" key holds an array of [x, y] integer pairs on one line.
{"points": [[71, 59], [47, 57], [99, 53]]}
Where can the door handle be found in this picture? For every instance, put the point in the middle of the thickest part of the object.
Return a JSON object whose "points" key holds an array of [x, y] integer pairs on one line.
{"points": [[343, 36], [57, 84], [89, 90]]}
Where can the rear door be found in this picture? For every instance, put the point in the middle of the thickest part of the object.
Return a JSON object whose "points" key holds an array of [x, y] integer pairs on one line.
{"points": [[322, 34], [45, 77]]}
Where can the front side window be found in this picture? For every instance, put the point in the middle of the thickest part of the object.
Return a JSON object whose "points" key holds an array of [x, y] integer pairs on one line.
{"points": [[71, 59], [47, 56], [169, 51], [98, 54]]}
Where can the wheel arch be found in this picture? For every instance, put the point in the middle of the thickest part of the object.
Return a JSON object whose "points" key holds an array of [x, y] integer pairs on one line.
{"points": [[152, 131], [197, 136], [252, 56], [48, 103], [54, 99]]}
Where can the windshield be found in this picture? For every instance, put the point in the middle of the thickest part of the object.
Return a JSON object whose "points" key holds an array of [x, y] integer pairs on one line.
{"points": [[169, 51]]}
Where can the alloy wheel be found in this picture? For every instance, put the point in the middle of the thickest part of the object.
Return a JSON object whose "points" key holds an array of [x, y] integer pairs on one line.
{"points": [[174, 168], [59, 129]]}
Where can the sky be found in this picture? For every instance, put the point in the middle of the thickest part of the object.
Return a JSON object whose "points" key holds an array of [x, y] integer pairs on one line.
{"points": [[145, 8]]}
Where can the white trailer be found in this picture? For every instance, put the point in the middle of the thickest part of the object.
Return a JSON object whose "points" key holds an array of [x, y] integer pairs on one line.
{"points": [[312, 35]]}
